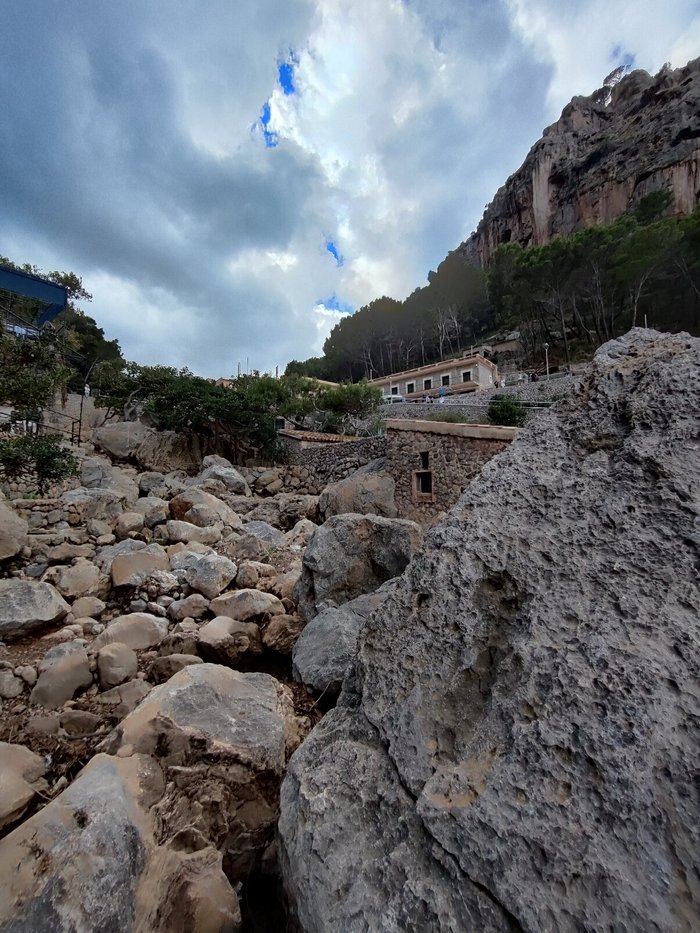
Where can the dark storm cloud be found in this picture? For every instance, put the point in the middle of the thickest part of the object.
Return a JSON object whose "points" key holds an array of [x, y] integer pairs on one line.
{"points": [[95, 153]]}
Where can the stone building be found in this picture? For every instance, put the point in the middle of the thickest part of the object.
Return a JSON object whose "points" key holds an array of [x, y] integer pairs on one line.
{"points": [[432, 462], [462, 374]]}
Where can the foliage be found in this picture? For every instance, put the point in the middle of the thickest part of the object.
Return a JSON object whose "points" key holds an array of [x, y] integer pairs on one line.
{"points": [[579, 291], [574, 294], [83, 342], [449, 417], [506, 410], [386, 335], [31, 372], [40, 460]]}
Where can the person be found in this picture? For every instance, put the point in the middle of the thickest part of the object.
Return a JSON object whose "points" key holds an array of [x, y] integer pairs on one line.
{"points": [[86, 391]]}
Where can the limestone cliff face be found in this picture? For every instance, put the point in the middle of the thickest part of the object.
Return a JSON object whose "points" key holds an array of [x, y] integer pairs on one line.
{"points": [[603, 155]]}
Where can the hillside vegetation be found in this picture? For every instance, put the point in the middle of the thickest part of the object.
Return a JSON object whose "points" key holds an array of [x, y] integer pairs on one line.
{"points": [[574, 293]]}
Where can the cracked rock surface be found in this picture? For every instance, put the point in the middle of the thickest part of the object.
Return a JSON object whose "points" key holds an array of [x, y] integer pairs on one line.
{"points": [[517, 747]]}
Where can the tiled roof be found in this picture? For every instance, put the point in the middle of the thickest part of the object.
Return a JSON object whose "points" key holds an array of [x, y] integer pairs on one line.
{"points": [[317, 437]]}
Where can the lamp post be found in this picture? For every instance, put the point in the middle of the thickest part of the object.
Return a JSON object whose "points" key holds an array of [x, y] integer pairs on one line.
{"points": [[546, 358]]}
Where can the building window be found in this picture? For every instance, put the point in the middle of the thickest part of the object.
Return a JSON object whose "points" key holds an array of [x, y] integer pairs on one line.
{"points": [[445, 380], [394, 390], [424, 484], [410, 387], [425, 460], [467, 375], [427, 383]]}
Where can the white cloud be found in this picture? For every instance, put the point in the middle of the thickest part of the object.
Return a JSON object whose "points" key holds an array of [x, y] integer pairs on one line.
{"points": [[126, 149], [586, 39]]}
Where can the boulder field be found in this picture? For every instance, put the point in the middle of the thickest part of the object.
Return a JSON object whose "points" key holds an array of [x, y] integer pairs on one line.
{"points": [[146, 690], [225, 706]]}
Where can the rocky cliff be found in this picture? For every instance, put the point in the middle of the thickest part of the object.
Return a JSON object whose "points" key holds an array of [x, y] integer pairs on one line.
{"points": [[603, 155], [517, 745]]}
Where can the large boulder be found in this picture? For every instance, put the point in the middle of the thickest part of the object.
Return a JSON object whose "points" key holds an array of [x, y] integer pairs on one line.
{"points": [[222, 738], [327, 645], [227, 641], [137, 630], [201, 508], [121, 439], [167, 451], [81, 504], [367, 491], [26, 605], [132, 568], [98, 473], [82, 578], [246, 604], [216, 471], [208, 574], [13, 531], [21, 777], [63, 671], [351, 555], [284, 510], [517, 750], [90, 861]]}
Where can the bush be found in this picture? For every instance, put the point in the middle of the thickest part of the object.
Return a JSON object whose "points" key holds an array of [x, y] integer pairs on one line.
{"points": [[506, 410], [40, 461], [451, 417]]}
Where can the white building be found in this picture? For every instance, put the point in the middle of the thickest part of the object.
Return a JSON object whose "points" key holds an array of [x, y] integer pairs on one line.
{"points": [[461, 374]]}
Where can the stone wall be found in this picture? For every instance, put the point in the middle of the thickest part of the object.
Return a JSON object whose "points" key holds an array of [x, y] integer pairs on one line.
{"points": [[314, 467], [433, 462]]}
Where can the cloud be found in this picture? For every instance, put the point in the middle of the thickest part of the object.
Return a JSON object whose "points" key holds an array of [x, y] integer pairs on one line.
{"points": [[210, 171]]}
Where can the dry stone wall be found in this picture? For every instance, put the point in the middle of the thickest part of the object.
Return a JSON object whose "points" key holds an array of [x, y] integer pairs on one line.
{"points": [[433, 464], [309, 471]]}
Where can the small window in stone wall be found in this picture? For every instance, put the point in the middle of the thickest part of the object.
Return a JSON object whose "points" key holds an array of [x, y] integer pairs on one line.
{"points": [[394, 390], [427, 383], [446, 380], [410, 387], [424, 484], [467, 375], [425, 460]]}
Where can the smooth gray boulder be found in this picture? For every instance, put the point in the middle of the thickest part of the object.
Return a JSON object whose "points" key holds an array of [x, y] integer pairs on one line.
{"points": [[518, 749], [218, 470], [137, 630], [26, 606], [264, 531], [327, 645], [351, 555], [121, 439], [208, 574], [202, 508], [13, 531], [368, 491], [63, 671], [90, 861]]}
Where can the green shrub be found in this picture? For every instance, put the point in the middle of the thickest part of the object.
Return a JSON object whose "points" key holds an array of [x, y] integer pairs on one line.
{"points": [[506, 410], [451, 417], [40, 461]]}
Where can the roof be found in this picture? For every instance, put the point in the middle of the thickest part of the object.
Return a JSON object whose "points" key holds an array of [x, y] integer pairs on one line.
{"points": [[441, 365], [316, 437]]}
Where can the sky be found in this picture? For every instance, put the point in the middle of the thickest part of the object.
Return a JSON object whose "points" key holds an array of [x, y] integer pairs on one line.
{"points": [[230, 177]]}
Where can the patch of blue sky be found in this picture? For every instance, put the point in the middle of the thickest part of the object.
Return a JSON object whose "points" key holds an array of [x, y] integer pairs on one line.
{"points": [[621, 57], [285, 72], [335, 252], [271, 138], [333, 303]]}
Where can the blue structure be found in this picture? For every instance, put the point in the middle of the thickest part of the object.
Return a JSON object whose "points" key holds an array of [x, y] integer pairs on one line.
{"points": [[32, 286]]}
